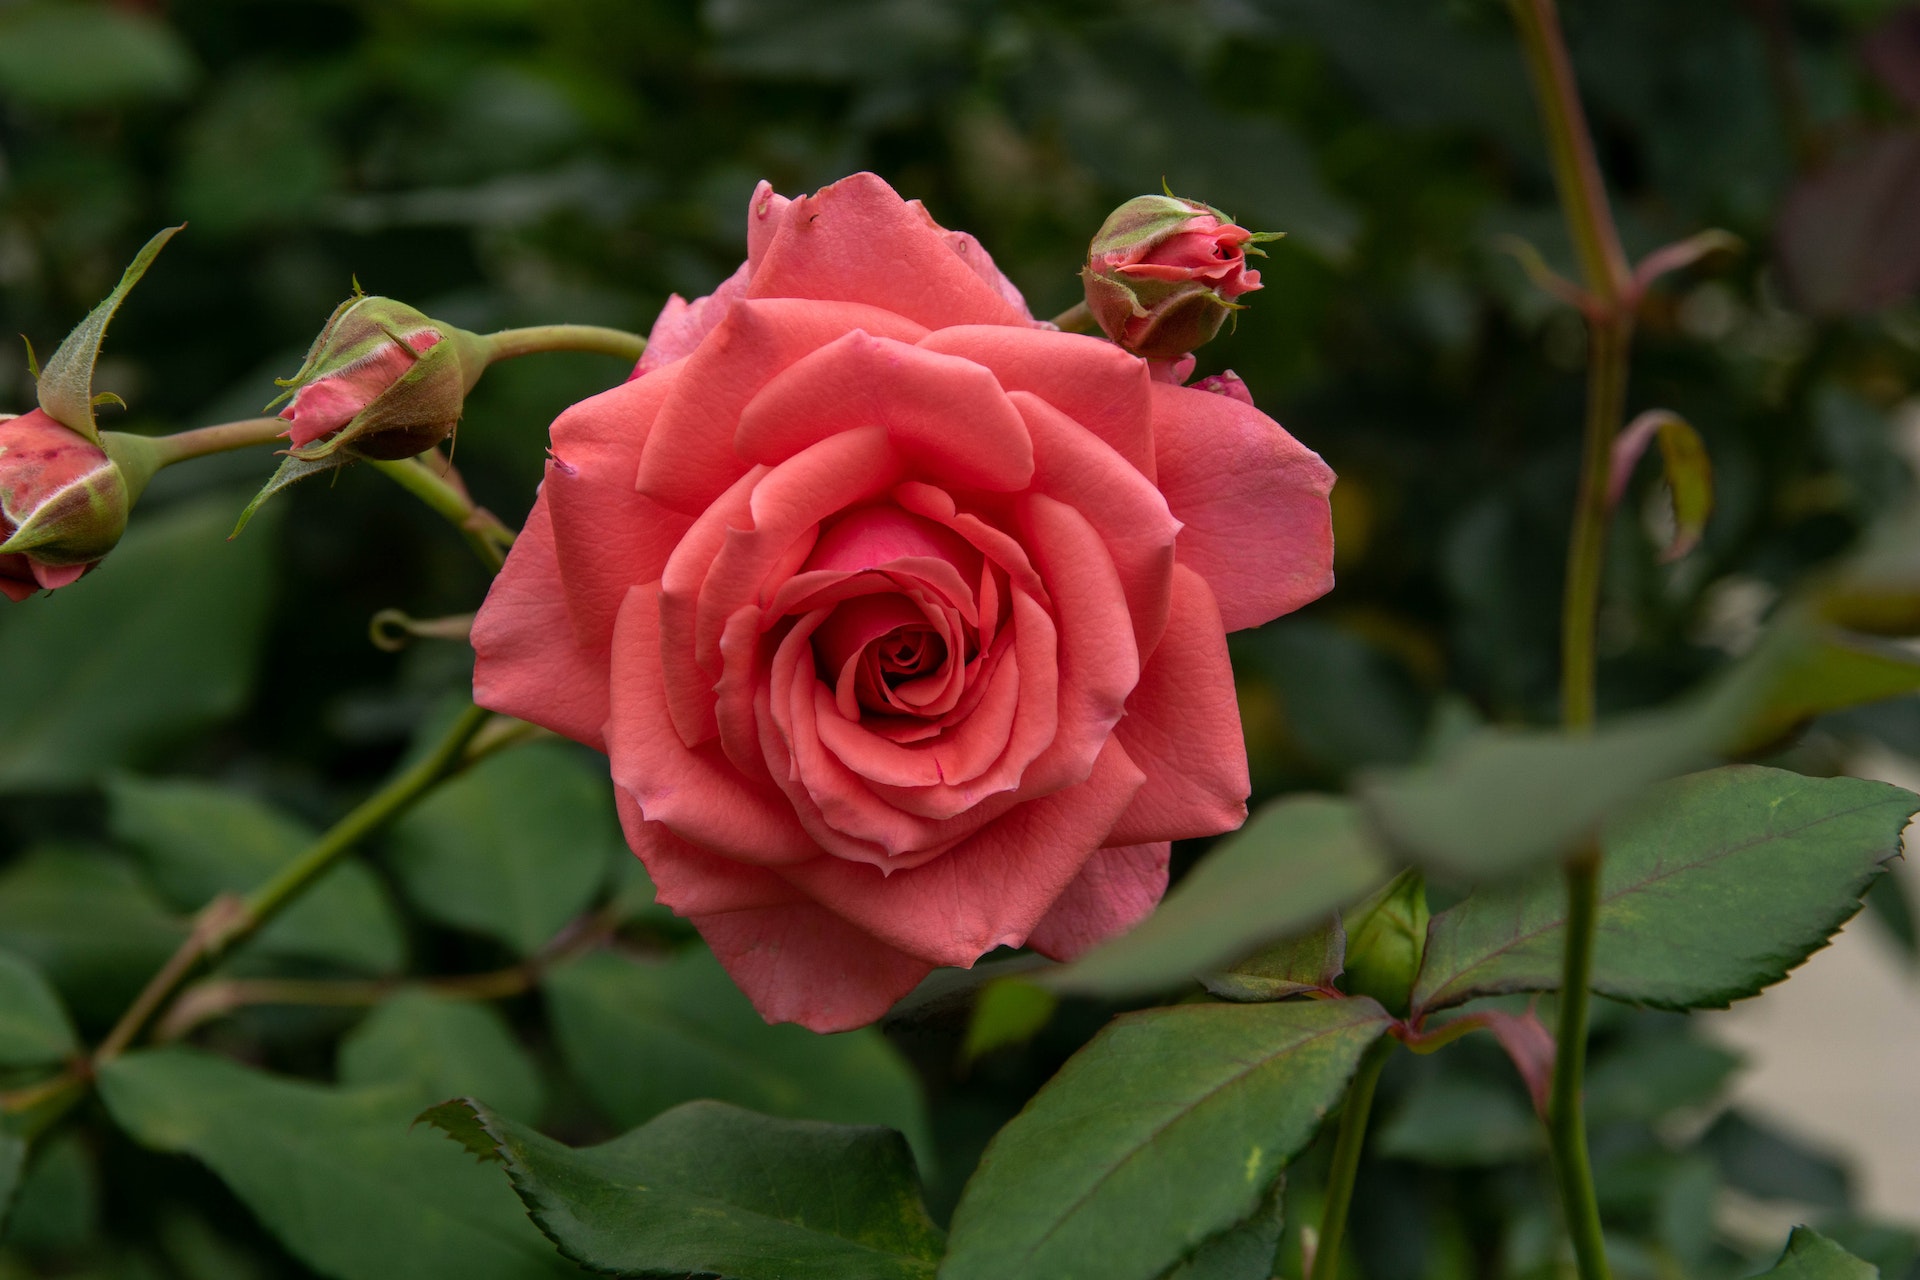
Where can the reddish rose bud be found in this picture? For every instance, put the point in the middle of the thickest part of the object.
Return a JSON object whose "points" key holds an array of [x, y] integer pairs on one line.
{"points": [[1162, 274], [63, 504], [382, 381]]}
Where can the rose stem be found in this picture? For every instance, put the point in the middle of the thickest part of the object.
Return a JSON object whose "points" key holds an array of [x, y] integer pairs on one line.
{"points": [[1346, 1161], [1077, 318], [1612, 297], [227, 436], [483, 530], [509, 343], [229, 920]]}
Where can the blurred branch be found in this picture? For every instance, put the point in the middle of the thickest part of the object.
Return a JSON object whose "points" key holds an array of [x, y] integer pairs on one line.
{"points": [[217, 997], [228, 920], [1776, 35]]}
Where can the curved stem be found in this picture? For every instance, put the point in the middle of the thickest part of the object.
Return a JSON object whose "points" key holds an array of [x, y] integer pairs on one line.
{"points": [[483, 530], [202, 442], [228, 921], [509, 343], [1347, 1145]]}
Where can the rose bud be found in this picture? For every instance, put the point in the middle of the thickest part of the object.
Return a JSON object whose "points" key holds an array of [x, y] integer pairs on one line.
{"points": [[382, 381], [63, 504], [1163, 273]]}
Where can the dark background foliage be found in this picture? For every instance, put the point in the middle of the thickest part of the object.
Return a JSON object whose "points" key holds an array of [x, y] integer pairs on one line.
{"points": [[501, 162]]}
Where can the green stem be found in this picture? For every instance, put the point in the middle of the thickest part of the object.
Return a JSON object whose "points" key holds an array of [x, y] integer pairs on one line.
{"points": [[1576, 171], [509, 343], [1077, 318], [483, 531], [1609, 338], [224, 438], [1613, 297], [1566, 1117], [228, 921], [1347, 1145]]}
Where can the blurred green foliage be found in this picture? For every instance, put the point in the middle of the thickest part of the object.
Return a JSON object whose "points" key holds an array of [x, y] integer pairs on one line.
{"points": [[501, 162]]}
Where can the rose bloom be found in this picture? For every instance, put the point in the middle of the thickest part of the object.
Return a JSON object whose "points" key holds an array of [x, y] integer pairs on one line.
{"points": [[901, 615]]}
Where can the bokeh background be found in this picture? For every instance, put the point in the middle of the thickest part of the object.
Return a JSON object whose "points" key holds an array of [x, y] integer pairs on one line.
{"points": [[504, 162]]}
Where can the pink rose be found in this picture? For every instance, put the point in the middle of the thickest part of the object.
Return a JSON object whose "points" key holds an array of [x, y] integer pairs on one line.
{"points": [[901, 617], [63, 504]]}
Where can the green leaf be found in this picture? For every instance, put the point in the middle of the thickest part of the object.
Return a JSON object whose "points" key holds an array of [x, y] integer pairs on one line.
{"points": [[1166, 1129], [1689, 473], [1243, 1251], [1292, 865], [201, 840], [1009, 1011], [711, 1190], [1649, 1077], [1501, 800], [1811, 1256], [1310, 962], [643, 1037], [335, 1174], [81, 56], [87, 923], [1830, 673], [128, 659], [34, 1028], [445, 1048], [1456, 1121], [514, 849], [1771, 1165], [65, 386], [13, 1159], [1712, 889], [56, 1210]]}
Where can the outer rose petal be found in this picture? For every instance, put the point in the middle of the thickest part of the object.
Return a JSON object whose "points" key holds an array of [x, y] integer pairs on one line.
{"points": [[1182, 728], [608, 536], [991, 889], [1093, 382], [1115, 891], [858, 241], [525, 661], [801, 963], [681, 324], [1254, 502]]}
